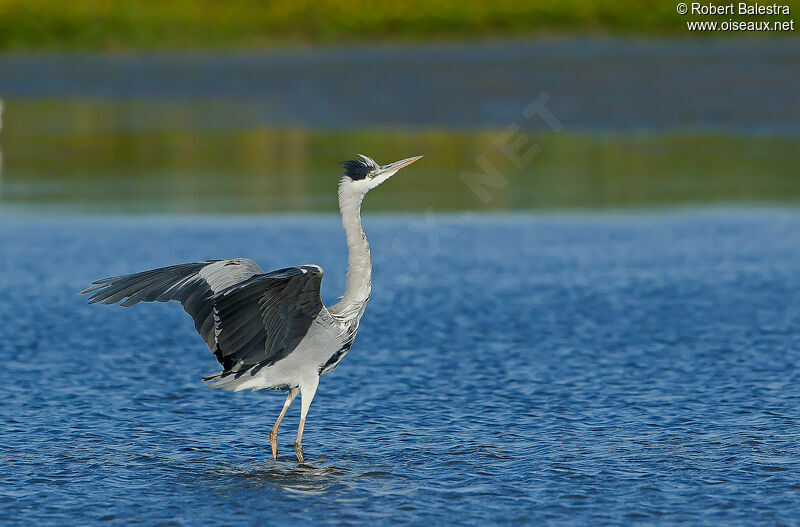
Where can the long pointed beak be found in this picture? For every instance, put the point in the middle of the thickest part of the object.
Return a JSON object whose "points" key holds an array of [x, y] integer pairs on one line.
{"points": [[397, 165]]}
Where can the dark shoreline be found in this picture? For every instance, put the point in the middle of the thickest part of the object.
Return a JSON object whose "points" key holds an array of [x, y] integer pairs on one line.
{"points": [[599, 84]]}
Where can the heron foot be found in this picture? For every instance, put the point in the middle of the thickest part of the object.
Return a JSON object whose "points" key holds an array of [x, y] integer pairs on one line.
{"points": [[273, 442], [298, 449]]}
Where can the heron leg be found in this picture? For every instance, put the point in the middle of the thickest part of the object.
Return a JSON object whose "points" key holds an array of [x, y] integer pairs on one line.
{"points": [[273, 434], [307, 392]]}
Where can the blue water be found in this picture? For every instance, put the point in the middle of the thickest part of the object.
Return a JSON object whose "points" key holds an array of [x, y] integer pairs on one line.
{"points": [[566, 369]]}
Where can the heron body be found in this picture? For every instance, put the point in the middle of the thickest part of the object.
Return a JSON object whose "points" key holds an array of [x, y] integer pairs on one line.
{"points": [[269, 331]]}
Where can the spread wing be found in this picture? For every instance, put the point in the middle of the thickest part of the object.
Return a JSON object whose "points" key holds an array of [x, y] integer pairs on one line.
{"points": [[245, 316], [264, 318]]}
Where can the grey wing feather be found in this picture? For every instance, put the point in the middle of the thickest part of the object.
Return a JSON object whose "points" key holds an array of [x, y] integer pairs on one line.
{"points": [[246, 316], [264, 318], [192, 284]]}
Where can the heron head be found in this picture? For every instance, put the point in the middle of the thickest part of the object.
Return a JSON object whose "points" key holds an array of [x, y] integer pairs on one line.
{"points": [[363, 175]]}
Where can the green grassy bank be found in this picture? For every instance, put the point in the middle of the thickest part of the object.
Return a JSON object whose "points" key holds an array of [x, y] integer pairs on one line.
{"points": [[203, 24]]}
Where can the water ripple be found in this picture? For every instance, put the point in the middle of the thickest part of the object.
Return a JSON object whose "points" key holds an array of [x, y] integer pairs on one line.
{"points": [[570, 370]]}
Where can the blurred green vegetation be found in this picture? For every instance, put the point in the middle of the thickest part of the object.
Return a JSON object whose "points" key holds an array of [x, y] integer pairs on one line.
{"points": [[205, 24], [83, 157]]}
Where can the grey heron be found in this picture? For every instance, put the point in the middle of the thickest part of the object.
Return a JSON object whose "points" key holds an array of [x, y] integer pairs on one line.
{"points": [[269, 331]]}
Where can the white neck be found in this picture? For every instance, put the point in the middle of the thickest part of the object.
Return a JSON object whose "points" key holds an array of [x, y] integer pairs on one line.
{"points": [[359, 270]]}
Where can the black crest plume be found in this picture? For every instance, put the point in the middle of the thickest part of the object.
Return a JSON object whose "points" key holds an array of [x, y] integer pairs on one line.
{"points": [[357, 169]]}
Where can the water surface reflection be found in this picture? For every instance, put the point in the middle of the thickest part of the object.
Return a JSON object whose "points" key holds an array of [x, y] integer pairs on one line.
{"points": [[87, 157]]}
